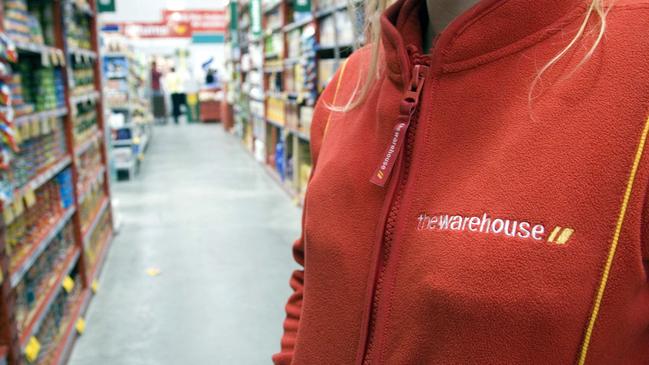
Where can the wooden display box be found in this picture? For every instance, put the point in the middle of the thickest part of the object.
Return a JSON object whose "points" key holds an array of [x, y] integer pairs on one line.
{"points": [[210, 105]]}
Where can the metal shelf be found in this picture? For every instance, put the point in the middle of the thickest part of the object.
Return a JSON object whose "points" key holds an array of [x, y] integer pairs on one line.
{"points": [[300, 134], [330, 10], [64, 348], [90, 97], [81, 54], [38, 48], [42, 177], [39, 116], [95, 220], [85, 145], [96, 178], [272, 7], [274, 123], [101, 258], [299, 23]]}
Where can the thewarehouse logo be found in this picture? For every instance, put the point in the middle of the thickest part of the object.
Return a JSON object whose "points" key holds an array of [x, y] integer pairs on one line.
{"points": [[486, 224]]}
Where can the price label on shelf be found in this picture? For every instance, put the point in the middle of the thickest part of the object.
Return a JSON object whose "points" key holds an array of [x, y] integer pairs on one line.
{"points": [[18, 206], [54, 59], [33, 349], [61, 57], [24, 130], [18, 136], [68, 284], [95, 286], [45, 126], [35, 128], [30, 198], [7, 215], [80, 326], [45, 59]]}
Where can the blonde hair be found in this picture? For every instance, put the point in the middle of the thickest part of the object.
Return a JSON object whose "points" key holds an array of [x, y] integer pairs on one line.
{"points": [[374, 9]]}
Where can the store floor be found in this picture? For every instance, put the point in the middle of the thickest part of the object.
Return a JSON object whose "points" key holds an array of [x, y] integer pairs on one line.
{"points": [[219, 230]]}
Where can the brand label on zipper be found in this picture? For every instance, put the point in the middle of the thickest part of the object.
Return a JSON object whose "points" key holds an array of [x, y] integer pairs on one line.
{"points": [[407, 111], [384, 171]]}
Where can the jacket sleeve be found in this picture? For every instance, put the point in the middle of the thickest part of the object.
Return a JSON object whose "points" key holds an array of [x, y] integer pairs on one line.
{"points": [[321, 117]]}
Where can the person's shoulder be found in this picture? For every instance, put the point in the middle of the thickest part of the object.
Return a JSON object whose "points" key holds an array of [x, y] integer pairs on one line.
{"points": [[627, 27], [631, 12], [359, 59], [629, 4], [349, 74]]}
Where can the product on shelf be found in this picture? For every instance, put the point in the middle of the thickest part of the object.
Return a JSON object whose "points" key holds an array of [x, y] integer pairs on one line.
{"points": [[328, 32], [78, 32], [97, 241], [37, 88], [89, 207], [41, 277], [306, 116], [326, 70], [42, 144], [327, 4], [344, 28], [20, 24], [59, 318], [35, 215], [84, 119], [84, 78], [275, 110], [89, 165]]}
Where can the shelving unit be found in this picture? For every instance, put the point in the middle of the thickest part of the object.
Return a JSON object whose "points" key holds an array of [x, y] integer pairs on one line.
{"points": [[131, 121], [304, 43], [55, 197]]}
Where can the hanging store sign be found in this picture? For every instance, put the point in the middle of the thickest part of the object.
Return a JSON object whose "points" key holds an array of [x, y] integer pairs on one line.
{"points": [[303, 6], [255, 16], [154, 30], [202, 21], [234, 24], [106, 6]]}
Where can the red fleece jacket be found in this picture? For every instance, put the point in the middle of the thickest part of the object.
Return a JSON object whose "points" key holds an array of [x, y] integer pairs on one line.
{"points": [[504, 233]]}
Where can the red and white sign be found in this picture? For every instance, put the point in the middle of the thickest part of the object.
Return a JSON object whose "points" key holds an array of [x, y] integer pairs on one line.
{"points": [[205, 21], [156, 30]]}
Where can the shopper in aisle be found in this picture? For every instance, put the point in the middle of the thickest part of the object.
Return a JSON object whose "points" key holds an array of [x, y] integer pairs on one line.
{"points": [[174, 85], [157, 97], [484, 203]]}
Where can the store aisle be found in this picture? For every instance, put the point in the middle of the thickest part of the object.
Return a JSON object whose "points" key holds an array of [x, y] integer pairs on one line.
{"points": [[220, 231]]}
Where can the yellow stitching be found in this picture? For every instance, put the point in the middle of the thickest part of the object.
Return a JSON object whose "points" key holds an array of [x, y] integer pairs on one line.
{"points": [[555, 231], [340, 78], [565, 236], [611, 254]]}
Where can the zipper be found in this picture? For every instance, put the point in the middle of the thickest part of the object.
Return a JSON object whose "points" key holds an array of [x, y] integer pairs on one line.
{"points": [[407, 110], [399, 150]]}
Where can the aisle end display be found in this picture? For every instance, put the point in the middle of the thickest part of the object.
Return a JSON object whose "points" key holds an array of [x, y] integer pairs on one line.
{"points": [[131, 120]]}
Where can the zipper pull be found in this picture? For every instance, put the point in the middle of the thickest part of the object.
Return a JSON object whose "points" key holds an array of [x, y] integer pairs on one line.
{"points": [[407, 111]]}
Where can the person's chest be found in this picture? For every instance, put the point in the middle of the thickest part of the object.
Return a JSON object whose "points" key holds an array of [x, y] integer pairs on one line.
{"points": [[499, 218]]}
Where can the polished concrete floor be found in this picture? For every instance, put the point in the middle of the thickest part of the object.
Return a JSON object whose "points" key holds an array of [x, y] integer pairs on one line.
{"points": [[219, 231]]}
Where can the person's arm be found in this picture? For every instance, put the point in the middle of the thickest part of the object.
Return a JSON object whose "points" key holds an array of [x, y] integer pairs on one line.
{"points": [[321, 117]]}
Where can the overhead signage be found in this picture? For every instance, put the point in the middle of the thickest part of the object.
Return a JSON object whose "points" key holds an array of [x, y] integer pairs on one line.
{"points": [[202, 21], [154, 30]]}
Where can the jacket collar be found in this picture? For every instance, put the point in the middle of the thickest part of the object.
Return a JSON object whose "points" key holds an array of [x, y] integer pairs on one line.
{"points": [[489, 30]]}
